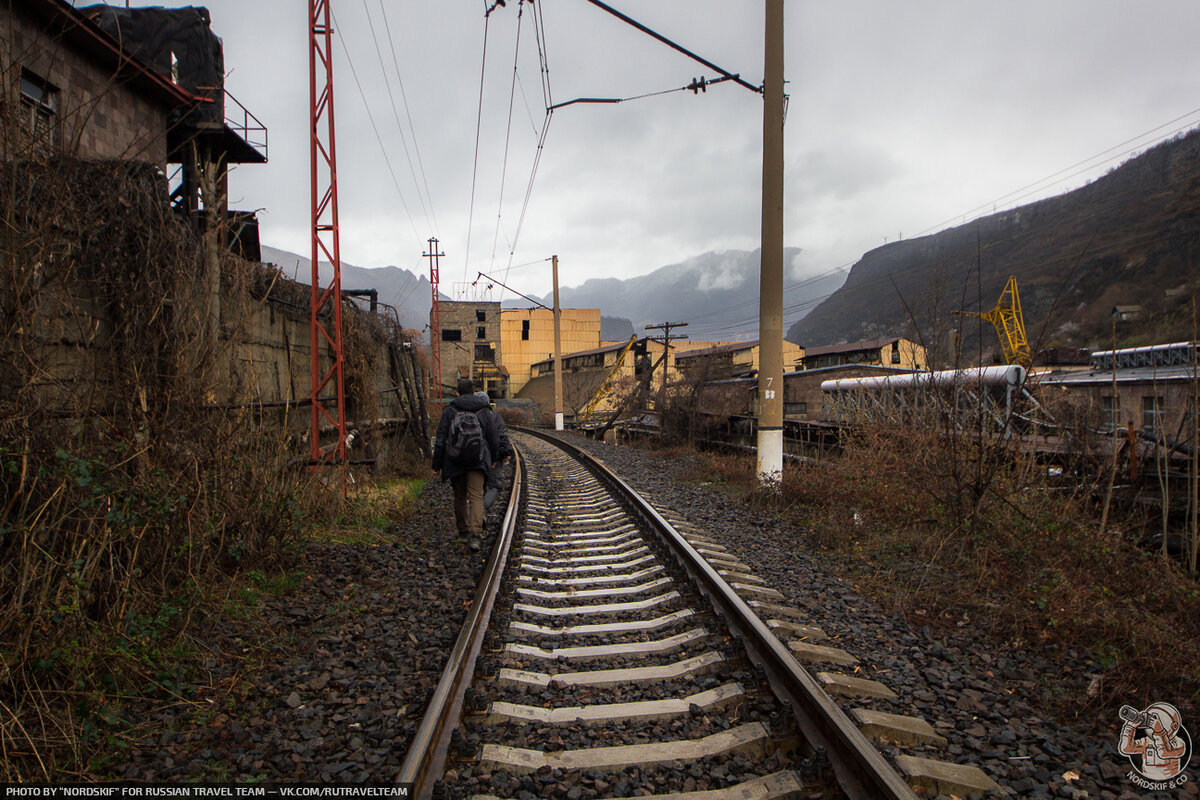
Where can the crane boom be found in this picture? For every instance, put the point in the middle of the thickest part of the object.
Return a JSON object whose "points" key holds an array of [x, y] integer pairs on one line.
{"points": [[590, 408], [1009, 323]]}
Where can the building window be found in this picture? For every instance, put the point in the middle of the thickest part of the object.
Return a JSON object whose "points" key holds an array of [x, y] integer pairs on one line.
{"points": [[39, 104], [484, 352], [1152, 413], [795, 409], [525, 330], [1111, 408], [895, 352], [480, 315], [481, 332], [451, 335]]}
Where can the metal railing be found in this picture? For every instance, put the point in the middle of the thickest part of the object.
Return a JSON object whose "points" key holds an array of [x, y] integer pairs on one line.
{"points": [[244, 124]]}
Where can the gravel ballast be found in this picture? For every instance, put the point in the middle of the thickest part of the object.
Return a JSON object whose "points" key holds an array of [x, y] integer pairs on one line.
{"points": [[327, 682], [985, 700], [355, 652]]}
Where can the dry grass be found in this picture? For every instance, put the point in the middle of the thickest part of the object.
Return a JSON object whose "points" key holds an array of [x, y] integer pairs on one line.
{"points": [[371, 512], [125, 498], [1020, 561]]}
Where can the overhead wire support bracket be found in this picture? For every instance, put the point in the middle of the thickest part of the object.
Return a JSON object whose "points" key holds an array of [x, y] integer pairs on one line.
{"points": [[673, 45], [514, 291], [585, 100], [697, 86]]}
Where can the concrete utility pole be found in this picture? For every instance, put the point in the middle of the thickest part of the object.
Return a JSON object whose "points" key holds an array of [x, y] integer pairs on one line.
{"points": [[558, 392], [770, 292]]}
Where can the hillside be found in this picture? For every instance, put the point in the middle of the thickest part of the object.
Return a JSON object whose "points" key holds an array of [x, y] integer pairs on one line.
{"points": [[1130, 237], [408, 293], [716, 292]]}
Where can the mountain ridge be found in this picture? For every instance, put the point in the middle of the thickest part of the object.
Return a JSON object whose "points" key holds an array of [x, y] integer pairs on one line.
{"points": [[719, 288], [1125, 238]]}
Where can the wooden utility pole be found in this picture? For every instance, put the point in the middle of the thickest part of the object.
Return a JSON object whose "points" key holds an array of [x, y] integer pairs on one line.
{"points": [[435, 322], [558, 390], [666, 340], [770, 292]]}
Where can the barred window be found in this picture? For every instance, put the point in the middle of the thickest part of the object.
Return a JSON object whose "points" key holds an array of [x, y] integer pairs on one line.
{"points": [[1111, 408], [1152, 413], [39, 104]]}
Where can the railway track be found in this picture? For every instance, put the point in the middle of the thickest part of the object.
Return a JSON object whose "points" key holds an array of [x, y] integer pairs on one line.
{"points": [[607, 654]]}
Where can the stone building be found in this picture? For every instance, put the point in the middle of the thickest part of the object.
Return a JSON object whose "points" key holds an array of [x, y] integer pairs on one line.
{"points": [[721, 360], [1152, 389], [210, 134], [469, 344], [893, 352], [74, 90]]}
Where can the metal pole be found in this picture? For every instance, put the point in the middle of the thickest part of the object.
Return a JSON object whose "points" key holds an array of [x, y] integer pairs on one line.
{"points": [[435, 321], [558, 390], [770, 293]]}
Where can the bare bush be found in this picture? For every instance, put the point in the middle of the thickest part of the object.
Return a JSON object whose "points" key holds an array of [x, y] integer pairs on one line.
{"points": [[124, 489]]}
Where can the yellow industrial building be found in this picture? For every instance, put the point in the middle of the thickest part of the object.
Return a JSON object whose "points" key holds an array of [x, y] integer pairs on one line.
{"points": [[527, 336], [589, 372], [714, 360]]}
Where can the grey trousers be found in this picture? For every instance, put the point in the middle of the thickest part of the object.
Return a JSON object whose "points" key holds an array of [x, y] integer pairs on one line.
{"points": [[468, 502]]}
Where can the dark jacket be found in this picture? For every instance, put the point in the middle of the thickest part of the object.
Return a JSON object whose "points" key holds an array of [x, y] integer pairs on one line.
{"points": [[495, 435]]}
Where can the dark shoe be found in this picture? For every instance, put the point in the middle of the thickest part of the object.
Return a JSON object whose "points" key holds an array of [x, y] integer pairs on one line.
{"points": [[474, 544]]}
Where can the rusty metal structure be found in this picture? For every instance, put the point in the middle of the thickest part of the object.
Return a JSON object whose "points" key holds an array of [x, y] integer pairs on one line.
{"points": [[1009, 323], [435, 321], [326, 300]]}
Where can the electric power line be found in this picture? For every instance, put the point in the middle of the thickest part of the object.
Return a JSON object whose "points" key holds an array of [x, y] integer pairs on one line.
{"points": [[487, 15], [408, 115], [374, 127], [512, 94], [396, 116]]}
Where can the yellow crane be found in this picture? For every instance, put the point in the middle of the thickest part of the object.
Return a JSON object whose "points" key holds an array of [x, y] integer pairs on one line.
{"points": [[1006, 317], [609, 379]]}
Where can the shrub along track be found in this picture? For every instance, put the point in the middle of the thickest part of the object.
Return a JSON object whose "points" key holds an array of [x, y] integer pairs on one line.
{"points": [[624, 658], [326, 682]]}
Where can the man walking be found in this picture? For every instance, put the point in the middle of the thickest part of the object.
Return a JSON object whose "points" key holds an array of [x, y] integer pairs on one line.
{"points": [[468, 446]]}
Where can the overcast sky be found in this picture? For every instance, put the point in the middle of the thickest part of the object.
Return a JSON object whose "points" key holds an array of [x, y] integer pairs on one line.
{"points": [[905, 117]]}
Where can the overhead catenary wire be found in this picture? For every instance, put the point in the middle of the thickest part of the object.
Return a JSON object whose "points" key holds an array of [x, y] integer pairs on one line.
{"points": [[425, 197], [371, 117], [1109, 152], [487, 15], [512, 95], [676, 46], [544, 68]]}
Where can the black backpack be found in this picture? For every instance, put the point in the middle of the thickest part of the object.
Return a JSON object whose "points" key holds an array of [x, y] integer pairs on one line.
{"points": [[464, 442]]}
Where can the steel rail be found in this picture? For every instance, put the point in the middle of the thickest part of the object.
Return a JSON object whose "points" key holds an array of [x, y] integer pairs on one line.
{"points": [[861, 771], [426, 758]]}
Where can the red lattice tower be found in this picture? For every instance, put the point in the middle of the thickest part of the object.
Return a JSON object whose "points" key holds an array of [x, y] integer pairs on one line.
{"points": [[326, 301]]}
